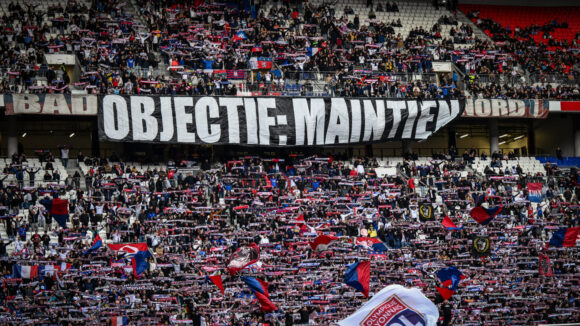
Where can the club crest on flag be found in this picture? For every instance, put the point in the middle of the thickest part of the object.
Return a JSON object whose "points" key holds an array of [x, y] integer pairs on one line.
{"points": [[426, 212], [480, 246], [393, 311], [395, 305]]}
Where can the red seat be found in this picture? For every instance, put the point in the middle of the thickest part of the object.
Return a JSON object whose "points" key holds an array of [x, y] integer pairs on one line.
{"points": [[516, 16]]}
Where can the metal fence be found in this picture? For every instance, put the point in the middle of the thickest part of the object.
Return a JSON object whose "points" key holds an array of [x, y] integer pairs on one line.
{"points": [[502, 79]]}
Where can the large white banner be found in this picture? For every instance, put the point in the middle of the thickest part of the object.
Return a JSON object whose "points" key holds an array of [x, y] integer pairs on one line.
{"points": [[271, 121], [395, 305]]}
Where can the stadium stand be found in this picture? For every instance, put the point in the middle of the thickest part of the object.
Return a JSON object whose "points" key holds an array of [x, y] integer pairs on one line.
{"points": [[178, 233]]}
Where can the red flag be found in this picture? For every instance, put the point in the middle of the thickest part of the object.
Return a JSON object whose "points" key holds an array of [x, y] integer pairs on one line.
{"points": [[217, 280], [130, 248], [322, 242], [448, 224], [170, 174], [265, 303], [445, 293], [59, 207]]}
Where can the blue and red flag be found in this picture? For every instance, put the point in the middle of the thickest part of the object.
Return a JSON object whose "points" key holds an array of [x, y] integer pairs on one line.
{"points": [[236, 74], [240, 35], [256, 285], [260, 289], [450, 277], [449, 225], [129, 248], [485, 215], [97, 243], [217, 281], [358, 276], [139, 262], [535, 192], [565, 237], [59, 211], [265, 303]]}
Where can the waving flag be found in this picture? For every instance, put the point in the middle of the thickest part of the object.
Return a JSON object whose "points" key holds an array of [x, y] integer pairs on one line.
{"points": [[565, 237], [484, 215], [217, 281], [25, 271], [59, 211], [119, 321], [535, 192], [303, 226], [371, 243], [358, 276], [240, 35], [243, 257], [97, 243], [265, 303], [139, 262], [260, 289], [256, 285], [311, 51], [322, 242], [261, 63], [450, 276], [130, 248], [395, 305], [449, 225]]}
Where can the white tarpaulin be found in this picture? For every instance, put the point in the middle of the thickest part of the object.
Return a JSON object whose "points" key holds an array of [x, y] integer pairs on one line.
{"points": [[395, 305]]}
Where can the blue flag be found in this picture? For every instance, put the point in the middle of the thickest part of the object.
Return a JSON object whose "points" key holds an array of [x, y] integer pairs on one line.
{"points": [[140, 263]]}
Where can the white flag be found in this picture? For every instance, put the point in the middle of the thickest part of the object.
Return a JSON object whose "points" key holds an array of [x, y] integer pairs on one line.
{"points": [[395, 305]]}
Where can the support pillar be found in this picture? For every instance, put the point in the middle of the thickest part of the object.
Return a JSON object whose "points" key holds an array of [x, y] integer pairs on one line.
{"points": [[576, 136], [11, 137], [577, 143], [493, 136], [531, 138], [452, 140], [95, 145], [407, 148]]}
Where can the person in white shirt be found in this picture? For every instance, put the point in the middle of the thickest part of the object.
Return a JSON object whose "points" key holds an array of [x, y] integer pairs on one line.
{"points": [[64, 155]]}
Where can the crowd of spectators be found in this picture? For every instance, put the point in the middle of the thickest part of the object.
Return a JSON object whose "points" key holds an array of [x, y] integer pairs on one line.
{"points": [[192, 220], [494, 90], [173, 47], [528, 66], [118, 53]]}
